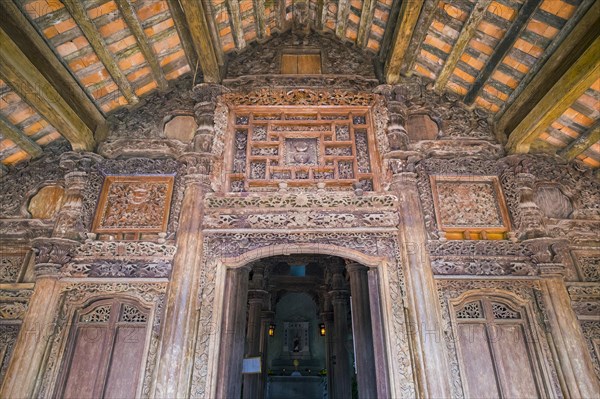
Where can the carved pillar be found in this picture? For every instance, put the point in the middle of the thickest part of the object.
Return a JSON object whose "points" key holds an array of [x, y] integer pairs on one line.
{"points": [[256, 301], [327, 319], [37, 329], [69, 222], [363, 332], [176, 357], [571, 347], [379, 352], [423, 305], [339, 300], [229, 375], [530, 221]]}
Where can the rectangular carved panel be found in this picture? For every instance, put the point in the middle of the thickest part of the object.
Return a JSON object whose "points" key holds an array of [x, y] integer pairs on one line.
{"points": [[468, 207], [134, 204], [302, 146]]}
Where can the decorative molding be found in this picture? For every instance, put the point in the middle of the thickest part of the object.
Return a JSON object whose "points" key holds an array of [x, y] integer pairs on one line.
{"points": [[129, 249], [299, 97], [119, 268], [320, 200], [482, 267]]}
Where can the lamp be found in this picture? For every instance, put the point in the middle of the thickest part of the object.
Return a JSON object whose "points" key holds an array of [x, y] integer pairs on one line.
{"points": [[322, 329], [271, 330]]}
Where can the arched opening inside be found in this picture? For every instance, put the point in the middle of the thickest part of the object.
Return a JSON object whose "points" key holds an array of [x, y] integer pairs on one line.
{"points": [[302, 326]]}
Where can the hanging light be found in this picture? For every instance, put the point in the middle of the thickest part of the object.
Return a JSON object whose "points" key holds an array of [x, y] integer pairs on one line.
{"points": [[322, 329], [271, 330]]}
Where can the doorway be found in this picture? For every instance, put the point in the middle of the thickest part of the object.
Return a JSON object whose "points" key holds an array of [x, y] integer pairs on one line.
{"points": [[302, 326]]}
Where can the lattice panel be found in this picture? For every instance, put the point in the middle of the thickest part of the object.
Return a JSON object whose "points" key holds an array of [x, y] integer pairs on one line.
{"points": [[301, 148]]}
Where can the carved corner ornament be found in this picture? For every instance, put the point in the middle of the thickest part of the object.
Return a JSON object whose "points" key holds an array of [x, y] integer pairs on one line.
{"points": [[51, 254]]}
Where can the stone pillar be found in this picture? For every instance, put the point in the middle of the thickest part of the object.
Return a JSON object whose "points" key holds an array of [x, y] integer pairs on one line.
{"points": [[379, 352], [177, 350], [339, 299], [423, 305], [256, 300], [229, 375], [22, 376], [363, 332]]}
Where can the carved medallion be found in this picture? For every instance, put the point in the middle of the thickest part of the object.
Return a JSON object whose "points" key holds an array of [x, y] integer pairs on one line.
{"points": [[468, 205], [134, 203]]}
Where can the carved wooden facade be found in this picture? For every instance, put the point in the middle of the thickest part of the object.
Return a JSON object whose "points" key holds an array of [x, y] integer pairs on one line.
{"points": [[466, 241]]}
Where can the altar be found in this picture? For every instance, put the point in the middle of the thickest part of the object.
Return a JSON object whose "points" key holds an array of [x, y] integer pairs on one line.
{"points": [[296, 387]]}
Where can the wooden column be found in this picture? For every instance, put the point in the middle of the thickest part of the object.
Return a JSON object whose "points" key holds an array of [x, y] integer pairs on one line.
{"points": [[176, 357], [327, 319], [339, 300], [256, 299], [363, 332], [229, 374], [266, 319], [424, 308], [571, 347], [28, 359], [379, 352]]}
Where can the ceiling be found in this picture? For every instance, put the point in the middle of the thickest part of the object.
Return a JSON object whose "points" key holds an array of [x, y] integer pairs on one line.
{"points": [[534, 64]]}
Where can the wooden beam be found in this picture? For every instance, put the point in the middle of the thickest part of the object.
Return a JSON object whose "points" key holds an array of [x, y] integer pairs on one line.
{"points": [[134, 25], [184, 33], [39, 53], [200, 31], [567, 89], [582, 143], [3, 170], [235, 19], [525, 13], [466, 34], [29, 83], [560, 56], [407, 19], [79, 14], [214, 33], [342, 17], [429, 11], [259, 19], [10, 131], [366, 19], [321, 15]]}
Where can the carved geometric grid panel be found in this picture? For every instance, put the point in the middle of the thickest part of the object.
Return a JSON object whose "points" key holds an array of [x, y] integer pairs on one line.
{"points": [[301, 147], [134, 204], [470, 207]]}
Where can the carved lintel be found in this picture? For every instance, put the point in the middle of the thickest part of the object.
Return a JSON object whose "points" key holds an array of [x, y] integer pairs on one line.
{"points": [[552, 270], [147, 148], [79, 161]]}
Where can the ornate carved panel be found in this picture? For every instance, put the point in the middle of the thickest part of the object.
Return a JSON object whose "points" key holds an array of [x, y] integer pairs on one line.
{"points": [[12, 266], [591, 331], [8, 337], [301, 146], [588, 263], [136, 204], [468, 207]]}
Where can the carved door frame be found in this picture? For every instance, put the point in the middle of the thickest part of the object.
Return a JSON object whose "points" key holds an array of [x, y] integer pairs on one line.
{"points": [[211, 311]]}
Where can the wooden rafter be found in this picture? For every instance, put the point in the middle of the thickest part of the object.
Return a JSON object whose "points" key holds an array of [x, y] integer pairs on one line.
{"points": [[214, 33], [582, 143], [11, 132], [79, 14], [567, 89], [20, 30], [204, 46], [33, 87], [184, 33], [466, 34], [235, 18], [525, 13], [3, 170], [543, 75], [342, 17], [407, 19], [134, 25], [366, 19], [259, 18]]}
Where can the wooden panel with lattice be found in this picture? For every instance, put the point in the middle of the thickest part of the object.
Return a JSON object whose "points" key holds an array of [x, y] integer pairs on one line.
{"points": [[301, 147]]}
